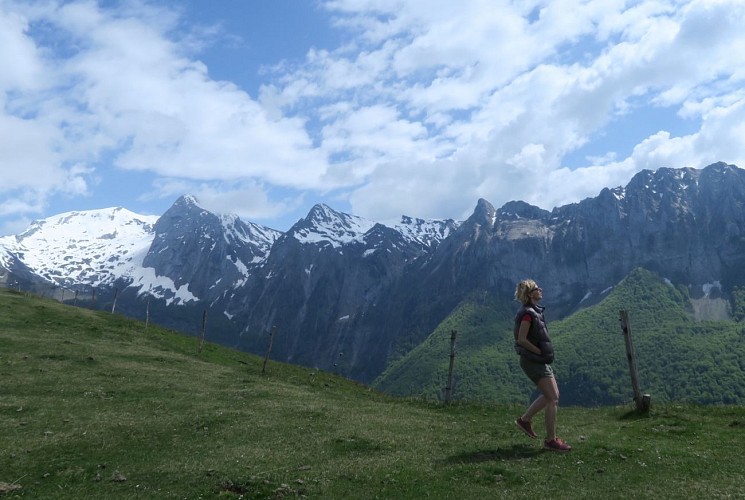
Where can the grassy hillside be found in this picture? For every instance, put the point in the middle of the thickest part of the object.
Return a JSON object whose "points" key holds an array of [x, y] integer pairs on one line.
{"points": [[94, 406], [679, 360]]}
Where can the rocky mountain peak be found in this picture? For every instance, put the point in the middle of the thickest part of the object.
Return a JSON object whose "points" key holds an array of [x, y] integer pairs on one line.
{"points": [[483, 216], [84, 248], [324, 225], [206, 251], [484, 213], [513, 210], [428, 233], [187, 206]]}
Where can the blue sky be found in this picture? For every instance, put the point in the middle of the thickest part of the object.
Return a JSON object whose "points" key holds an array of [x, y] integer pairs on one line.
{"points": [[375, 107]]}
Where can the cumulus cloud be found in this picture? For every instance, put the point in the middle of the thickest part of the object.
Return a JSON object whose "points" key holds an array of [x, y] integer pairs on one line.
{"points": [[508, 94], [118, 84], [424, 107], [247, 199]]}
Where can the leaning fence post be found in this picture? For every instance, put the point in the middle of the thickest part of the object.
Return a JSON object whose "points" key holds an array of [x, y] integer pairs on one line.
{"points": [[269, 348], [116, 295], [449, 388], [204, 325], [147, 312], [642, 402]]}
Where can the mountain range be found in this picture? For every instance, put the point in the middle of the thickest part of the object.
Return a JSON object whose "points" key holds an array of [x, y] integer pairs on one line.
{"points": [[357, 297]]}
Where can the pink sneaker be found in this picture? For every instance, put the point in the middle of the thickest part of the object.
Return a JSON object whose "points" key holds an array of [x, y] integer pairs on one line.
{"points": [[556, 444], [525, 427]]}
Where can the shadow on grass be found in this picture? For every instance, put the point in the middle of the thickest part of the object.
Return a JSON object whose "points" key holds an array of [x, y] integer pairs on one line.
{"points": [[635, 415], [514, 452]]}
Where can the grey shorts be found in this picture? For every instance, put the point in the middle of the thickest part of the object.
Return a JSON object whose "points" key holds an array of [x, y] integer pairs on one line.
{"points": [[535, 371]]}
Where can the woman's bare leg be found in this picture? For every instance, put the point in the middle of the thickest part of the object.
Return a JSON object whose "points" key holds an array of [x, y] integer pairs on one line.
{"points": [[550, 397], [535, 407]]}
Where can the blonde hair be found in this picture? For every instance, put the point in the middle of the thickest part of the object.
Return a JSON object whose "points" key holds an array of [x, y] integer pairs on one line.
{"points": [[524, 289]]}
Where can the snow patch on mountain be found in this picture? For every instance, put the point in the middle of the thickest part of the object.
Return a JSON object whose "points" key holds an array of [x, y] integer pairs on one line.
{"points": [[161, 287], [427, 232], [323, 225], [91, 247], [709, 287], [85, 249], [249, 234], [5, 256]]}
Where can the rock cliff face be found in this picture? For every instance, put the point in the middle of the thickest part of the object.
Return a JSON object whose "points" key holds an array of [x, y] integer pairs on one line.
{"points": [[688, 225], [321, 281], [346, 294], [350, 306], [211, 254]]}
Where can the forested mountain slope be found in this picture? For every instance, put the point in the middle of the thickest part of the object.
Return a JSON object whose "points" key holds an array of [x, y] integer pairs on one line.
{"points": [[679, 359]]}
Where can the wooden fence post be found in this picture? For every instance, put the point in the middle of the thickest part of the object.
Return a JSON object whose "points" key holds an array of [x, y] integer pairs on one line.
{"points": [[449, 387], [147, 312], [116, 295], [642, 402], [204, 325], [269, 348]]}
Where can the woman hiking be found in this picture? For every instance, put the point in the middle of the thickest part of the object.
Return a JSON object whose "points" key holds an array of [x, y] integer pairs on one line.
{"points": [[533, 345]]}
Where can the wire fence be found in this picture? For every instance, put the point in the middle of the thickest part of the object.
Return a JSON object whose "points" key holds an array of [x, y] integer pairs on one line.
{"points": [[87, 296], [105, 299]]}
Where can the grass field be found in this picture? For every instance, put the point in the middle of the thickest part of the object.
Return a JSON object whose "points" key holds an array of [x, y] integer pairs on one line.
{"points": [[92, 405]]}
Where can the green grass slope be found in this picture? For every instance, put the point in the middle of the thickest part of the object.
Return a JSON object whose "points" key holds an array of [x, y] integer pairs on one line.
{"points": [[679, 360], [92, 405]]}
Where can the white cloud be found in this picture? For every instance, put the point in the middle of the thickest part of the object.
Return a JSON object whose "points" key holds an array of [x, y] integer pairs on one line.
{"points": [[118, 84], [426, 106], [19, 59], [175, 120], [246, 199], [510, 97]]}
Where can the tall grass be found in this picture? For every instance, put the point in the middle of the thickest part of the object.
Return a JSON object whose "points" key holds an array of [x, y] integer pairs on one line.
{"points": [[92, 405]]}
